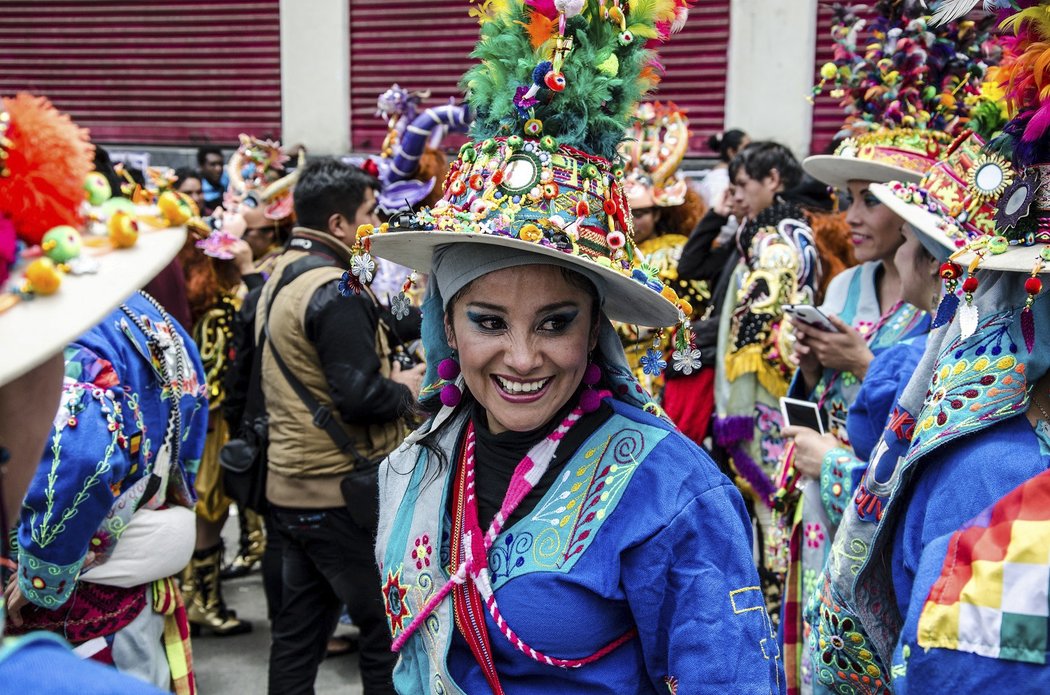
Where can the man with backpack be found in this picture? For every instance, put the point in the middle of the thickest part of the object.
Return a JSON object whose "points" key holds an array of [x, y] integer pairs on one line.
{"points": [[335, 403]]}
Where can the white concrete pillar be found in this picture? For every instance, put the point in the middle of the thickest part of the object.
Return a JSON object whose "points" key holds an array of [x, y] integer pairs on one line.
{"points": [[772, 49], [315, 75]]}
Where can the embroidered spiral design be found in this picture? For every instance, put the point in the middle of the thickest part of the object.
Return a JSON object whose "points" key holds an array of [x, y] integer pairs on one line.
{"points": [[546, 550], [509, 554], [433, 627], [628, 445], [424, 586]]}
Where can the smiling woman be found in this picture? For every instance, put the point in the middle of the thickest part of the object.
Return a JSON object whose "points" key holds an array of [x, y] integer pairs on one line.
{"points": [[547, 529], [548, 474], [523, 336]]}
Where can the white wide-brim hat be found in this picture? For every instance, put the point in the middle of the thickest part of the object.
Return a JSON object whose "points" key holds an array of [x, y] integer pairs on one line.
{"points": [[928, 226], [40, 326], [837, 171], [627, 299]]}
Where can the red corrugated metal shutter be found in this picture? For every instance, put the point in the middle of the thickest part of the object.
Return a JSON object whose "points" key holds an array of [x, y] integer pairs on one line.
{"points": [[827, 113], [417, 43], [153, 73], [696, 62], [426, 45]]}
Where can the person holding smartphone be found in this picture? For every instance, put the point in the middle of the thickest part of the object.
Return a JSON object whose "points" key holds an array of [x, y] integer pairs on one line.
{"points": [[870, 314], [864, 305]]}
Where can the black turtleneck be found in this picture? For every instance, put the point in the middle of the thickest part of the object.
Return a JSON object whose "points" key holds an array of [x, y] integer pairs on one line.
{"points": [[497, 455]]}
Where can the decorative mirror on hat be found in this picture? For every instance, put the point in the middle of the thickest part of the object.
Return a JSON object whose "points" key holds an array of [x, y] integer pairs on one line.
{"points": [[1016, 201], [990, 176]]}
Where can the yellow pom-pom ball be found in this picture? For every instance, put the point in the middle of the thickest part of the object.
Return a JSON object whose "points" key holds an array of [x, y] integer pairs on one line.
{"points": [[530, 232], [176, 207], [828, 71], [123, 230], [669, 294], [43, 276], [686, 307]]}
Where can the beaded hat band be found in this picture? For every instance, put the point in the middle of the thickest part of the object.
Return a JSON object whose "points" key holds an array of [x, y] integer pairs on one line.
{"points": [[891, 155]]}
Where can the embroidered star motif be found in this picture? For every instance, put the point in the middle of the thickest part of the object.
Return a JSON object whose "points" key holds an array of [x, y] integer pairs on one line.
{"points": [[394, 594]]}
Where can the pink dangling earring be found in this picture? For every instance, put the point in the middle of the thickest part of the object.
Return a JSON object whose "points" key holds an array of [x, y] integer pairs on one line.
{"points": [[448, 370], [590, 400]]}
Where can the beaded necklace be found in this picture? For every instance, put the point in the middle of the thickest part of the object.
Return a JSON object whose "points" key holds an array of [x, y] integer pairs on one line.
{"points": [[159, 344]]}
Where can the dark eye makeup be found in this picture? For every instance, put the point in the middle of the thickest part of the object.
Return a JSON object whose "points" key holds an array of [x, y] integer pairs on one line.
{"points": [[556, 323], [870, 200], [487, 322]]}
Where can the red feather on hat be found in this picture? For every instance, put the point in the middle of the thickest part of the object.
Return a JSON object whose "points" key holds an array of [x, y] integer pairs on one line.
{"points": [[48, 157]]}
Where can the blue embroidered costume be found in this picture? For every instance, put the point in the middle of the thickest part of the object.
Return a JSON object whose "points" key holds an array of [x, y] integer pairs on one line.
{"points": [[889, 611], [610, 547], [851, 405], [109, 462]]}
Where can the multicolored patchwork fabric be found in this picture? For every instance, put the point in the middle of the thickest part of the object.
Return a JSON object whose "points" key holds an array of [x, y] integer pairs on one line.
{"points": [[992, 596]]}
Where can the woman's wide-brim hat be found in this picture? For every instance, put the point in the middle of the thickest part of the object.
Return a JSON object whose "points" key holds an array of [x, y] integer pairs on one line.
{"points": [[40, 326], [626, 299], [955, 201], [55, 282], [891, 155], [530, 195]]}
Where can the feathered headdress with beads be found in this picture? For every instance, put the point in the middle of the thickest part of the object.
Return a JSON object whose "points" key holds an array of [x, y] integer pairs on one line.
{"points": [[553, 94], [907, 89], [897, 70], [577, 66], [1014, 169]]}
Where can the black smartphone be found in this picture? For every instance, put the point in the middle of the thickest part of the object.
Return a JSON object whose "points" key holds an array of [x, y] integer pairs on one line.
{"points": [[798, 413]]}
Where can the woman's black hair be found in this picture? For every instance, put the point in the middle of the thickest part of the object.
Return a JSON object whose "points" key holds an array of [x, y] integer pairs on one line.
{"points": [[432, 405], [726, 143], [759, 159], [183, 173]]}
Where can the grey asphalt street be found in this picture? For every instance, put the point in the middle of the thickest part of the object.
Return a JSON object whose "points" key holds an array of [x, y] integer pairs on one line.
{"points": [[238, 664]]}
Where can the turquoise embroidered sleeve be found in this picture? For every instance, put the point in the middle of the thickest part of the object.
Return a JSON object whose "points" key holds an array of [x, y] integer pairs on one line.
{"points": [[45, 584], [86, 459], [836, 481]]}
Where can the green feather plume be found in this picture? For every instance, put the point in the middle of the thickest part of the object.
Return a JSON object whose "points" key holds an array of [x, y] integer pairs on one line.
{"points": [[595, 108]]}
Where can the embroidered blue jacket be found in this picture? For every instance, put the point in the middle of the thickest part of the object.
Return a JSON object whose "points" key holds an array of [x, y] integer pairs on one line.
{"points": [[957, 483], [640, 530], [107, 433], [887, 376]]}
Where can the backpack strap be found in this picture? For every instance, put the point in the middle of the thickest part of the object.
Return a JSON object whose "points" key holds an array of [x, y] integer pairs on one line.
{"points": [[322, 414]]}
